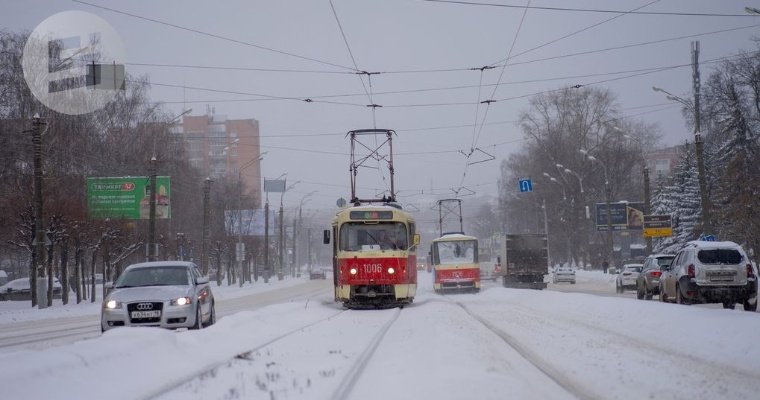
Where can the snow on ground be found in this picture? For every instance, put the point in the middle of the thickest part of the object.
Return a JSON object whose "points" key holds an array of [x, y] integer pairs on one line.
{"points": [[18, 311], [598, 347]]}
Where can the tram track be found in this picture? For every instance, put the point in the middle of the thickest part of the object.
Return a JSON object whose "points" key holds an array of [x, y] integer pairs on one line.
{"points": [[550, 371], [258, 358], [213, 369]]}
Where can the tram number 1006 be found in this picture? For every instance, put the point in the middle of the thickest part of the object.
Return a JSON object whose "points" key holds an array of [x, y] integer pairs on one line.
{"points": [[373, 268]]}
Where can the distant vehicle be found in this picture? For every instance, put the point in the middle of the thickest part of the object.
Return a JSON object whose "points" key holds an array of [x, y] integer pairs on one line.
{"points": [[626, 279], [455, 263], [564, 274], [167, 294], [19, 289], [648, 282], [317, 273], [525, 258], [710, 272]]}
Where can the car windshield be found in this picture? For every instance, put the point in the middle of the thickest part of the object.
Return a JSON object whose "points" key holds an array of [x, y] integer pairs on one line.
{"points": [[154, 276], [720, 256]]}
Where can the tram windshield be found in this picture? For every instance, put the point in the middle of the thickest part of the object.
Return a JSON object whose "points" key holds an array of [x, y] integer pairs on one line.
{"points": [[456, 252], [359, 236]]}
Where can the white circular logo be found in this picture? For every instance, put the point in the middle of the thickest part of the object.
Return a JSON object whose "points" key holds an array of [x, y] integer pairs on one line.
{"points": [[73, 62]]}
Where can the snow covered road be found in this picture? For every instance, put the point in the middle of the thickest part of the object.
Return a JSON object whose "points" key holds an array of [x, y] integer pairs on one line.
{"points": [[495, 344]]}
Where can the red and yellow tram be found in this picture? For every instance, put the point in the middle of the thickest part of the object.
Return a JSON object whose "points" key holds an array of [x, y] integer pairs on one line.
{"points": [[455, 263], [374, 256]]}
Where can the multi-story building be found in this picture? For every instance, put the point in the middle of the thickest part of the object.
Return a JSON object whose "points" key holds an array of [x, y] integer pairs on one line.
{"points": [[662, 162], [225, 149]]}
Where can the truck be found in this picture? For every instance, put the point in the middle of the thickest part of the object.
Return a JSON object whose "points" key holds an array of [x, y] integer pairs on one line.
{"points": [[524, 259]]}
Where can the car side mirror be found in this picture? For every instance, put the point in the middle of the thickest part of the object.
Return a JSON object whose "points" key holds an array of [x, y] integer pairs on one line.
{"points": [[201, 280], [326, 236]]}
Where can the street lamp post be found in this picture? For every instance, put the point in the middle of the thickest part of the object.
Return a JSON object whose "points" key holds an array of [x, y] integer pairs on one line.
{"points": [[607, 195], [645, 173], [240, 249], [296, 227], [282, 232]]}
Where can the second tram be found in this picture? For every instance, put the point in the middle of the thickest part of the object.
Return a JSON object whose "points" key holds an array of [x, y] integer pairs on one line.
{"points": [[455, 263]]}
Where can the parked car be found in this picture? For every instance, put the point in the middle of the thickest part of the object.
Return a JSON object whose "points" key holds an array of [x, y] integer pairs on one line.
{"points": [[317, 273], [167, 294], [626, 279], [648, 282], [710, 272], [564, 274], [19, 289]]}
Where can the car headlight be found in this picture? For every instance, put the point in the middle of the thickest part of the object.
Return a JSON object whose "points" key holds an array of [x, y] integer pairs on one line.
{"points": [[353, 271], [182, 301], [391, 270], [113, 304]]}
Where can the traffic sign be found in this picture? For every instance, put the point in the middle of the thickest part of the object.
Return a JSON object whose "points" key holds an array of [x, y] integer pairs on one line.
{"points": [[657, 226], [526, 185]]}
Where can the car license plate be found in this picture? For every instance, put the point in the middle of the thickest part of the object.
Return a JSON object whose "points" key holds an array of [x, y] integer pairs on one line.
{"points": [[146, 314], [721, 275]]}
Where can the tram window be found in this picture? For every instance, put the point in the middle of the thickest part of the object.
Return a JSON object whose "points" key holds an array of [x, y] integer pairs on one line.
{"points": [[367, 237]]}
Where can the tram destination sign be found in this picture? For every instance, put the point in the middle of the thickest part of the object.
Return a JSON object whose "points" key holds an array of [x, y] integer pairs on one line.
{"points": [[361, 215], [657, 226]]}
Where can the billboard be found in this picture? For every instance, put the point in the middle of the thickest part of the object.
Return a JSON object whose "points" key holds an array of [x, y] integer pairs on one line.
{"points": [[624, 215], [252, 222], [127, 197], [657, 226]]}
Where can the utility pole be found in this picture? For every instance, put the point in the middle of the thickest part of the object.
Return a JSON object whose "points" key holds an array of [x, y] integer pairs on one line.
{"points": [[266, 240], [610, 244], [206, 228], [281, 245], [38, 270], [699, 145], [151, 252], [647, 202], [295, 254]]}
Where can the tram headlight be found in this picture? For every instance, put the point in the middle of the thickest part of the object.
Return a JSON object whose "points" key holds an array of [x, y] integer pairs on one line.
{"points": [[391, 270], [352, 271]]}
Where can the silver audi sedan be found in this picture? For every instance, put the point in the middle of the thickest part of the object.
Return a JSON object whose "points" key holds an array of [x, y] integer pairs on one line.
{"points": [[167, 294]]}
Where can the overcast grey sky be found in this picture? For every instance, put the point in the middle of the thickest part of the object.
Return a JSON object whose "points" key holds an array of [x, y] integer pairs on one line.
{"points": [[303, 42]]}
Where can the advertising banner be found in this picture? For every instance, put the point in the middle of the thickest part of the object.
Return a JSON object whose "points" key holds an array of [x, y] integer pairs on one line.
{"points": [[252, 222], [127, 197], [624, 216]]}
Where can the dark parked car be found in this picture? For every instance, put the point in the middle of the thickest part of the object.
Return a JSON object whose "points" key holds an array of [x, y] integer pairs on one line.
{"points": [[648, 282], [167, 294], [317, 273]]}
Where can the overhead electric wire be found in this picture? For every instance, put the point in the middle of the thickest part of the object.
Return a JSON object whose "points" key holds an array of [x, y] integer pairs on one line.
{"points": [[213, 35], [228, 68], [591, 10], [592, 26]]}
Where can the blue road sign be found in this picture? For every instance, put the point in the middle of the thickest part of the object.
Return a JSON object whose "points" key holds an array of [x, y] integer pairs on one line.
{"points": [[526, 185]]}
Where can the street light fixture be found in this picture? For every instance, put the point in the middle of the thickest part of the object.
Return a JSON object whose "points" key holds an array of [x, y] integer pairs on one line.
{"points": [[553, 179]]}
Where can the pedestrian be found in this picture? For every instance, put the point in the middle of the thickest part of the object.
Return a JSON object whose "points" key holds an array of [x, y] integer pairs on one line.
{"points": [[605, 265]]}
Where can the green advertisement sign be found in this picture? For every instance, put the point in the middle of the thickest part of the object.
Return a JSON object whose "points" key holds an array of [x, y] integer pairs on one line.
{"points": [[127, 197]]}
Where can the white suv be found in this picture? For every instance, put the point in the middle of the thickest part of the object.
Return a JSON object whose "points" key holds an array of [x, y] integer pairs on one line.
{"points": [[710, 272]]}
